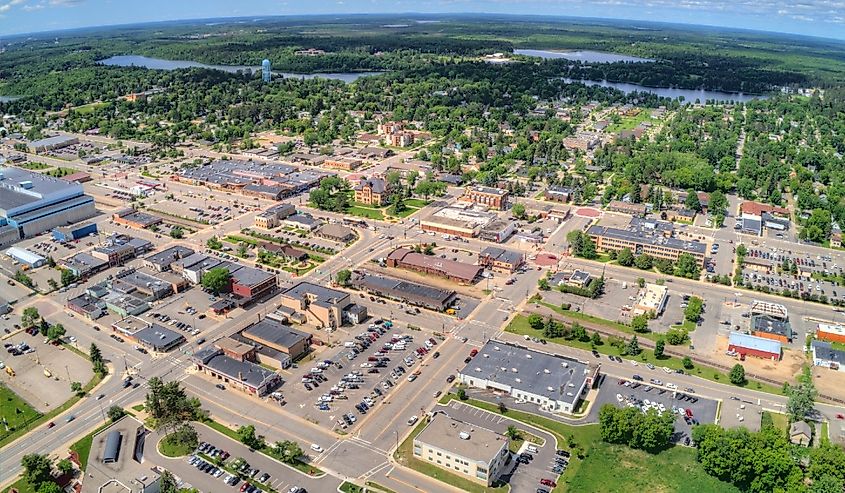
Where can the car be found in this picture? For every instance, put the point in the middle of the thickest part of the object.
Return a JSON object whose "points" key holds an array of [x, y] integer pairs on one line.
{"points": [[840, 416], [436, 355], [467, 360], [548, 482], [50, 425], [264, 477], [637, 378], [450, 378], [70, 418], [316, 448], [412, 420], [220, 386]]}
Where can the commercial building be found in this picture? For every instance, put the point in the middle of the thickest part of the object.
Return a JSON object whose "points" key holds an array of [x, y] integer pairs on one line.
{"points": [[272, 217], [343, 163], [302, 221], [321, 306], [501, 260], [554, 383], [24, 256], [645, 236], [775, 310], [87, 306], [143, 285], [825, 355], [453, 270], [278, 336], [466, 450], [116, 462], [195, 266], [755, 217], [498, 230], [271, 180], [404, 291], [149, 335], [558, 194], [74, 232], [161, 261], [51, 143], [638, 210], [830, 332], [125, 305], [31, 203], [749, 345], [135, 219], [771, 328], [457, 220], [285, 251], [337, 233], [372, 191], [242, 375], [492, 198], [249, 284], [651, 299]]}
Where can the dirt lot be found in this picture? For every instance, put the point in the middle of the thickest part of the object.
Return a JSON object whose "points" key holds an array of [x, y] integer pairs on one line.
{"points": [[31, 384], [786, 369]]}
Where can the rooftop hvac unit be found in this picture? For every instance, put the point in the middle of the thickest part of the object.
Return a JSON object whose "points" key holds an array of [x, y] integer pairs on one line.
{"points": [[463, 435], [514, 370], [550, 389], [478, 369], [546, 370], [496, 348], [564, 364], [518, 380]]}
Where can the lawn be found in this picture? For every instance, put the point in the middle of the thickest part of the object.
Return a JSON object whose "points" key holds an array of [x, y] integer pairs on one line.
{"points": [[417, 203], [687, 325], [616, 468], [610, 324], [365, 212], [21, 485], [60, 172], [172, 448], [15, 411], [629, 122], [34, 166], [88, 108], [348, 487], [519, 325], [779, 420], [404, 455]]}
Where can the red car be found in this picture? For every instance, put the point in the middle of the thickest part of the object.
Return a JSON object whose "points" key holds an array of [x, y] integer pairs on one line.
{"points": [[50, 425], [244, 487], [473, 353], [548, 482], [840, 416]]}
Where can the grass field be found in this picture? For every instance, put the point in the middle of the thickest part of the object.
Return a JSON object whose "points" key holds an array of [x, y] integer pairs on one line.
{"points": [[629, 122], [14, 411], [34, 166], [348, 487], [616, 468], [171, 448], [365, 212], [60, 172]]}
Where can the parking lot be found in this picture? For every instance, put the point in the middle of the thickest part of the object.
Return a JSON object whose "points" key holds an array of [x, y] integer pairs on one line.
{"points": [[526, 472], [343, 384], [279, 477], [32, 366], [689, 408], [804, 273]]}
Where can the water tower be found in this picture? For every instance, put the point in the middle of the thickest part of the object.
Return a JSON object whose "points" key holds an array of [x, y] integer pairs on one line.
{"points": [[265, 70]]}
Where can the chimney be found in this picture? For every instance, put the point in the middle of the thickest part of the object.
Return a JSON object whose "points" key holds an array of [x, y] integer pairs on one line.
{"points": [[240, 376]]}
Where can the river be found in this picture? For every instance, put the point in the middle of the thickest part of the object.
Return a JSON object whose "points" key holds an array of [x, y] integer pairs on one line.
{"points": [[586, 56], [689, 95], [162, 64]]}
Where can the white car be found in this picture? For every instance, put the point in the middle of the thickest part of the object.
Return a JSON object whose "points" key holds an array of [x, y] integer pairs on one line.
{"points": [[412, 420], [316, 448]]}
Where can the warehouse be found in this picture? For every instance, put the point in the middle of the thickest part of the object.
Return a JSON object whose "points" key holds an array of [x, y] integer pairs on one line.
{"points": [[74, 232], [760, 347], [51, 143], [135, 219], [31, 203], [26, 257], [554, 383], [404, 291]]}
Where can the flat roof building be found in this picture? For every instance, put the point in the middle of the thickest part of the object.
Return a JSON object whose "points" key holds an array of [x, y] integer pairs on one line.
{"points": [[278, 336], [554, 383], [830, 332], [825, 355], [651, 299], [26, 257], [31, 203], [467, 450], [135, 219], [645, 236], [457, 220], [243, 375], [116, 461], [321, 306], [51, 143], [501, 260], [405, 291], [771, 328], [74, 232], [493, 198], [160, 261]]}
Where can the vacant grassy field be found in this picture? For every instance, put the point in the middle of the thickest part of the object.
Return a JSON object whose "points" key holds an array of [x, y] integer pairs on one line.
{"points": [[14, 411], [615, 468]]}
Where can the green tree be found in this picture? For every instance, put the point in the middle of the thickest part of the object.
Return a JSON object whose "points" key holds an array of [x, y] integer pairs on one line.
{"points": [[695, 306], [115, 413], [625, 257], [692, 201], [641, 282], [535, 321], [214, 243], [579, 332], [65, 466], [640, 323], [343, 277], [659, 346], [76, 388], [247, 436], [288, 451], [676, 337], [242, 250], [518, 211], [67, 277], [596, 339], [644, 261], [688, 266], [817, 227], [36, 468], [49, 487], [53, 284], [633, 347], [513, 432], [802, 396], [56, 332], [543, 284], [30, 316], [552, 329], [167, 483], [826, 484], [737, 375], [462, 394], [177, 232], [216, 280], [687, 362]]}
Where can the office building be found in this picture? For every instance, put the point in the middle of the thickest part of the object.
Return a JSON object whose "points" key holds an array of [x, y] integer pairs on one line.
{"points": [[645, 236], [243, 375], [31, 203], [651, 299], [116, 462], [457, 220], [492, 198], [249, 284], [372, 191], [272, 217], [552, 382], [466, 450], [161, 261], [320, 306], [501, 260], [278, 336], [405, 291]]}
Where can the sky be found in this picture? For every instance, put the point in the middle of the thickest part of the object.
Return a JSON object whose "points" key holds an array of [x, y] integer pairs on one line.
{"points": [[825, 18]]}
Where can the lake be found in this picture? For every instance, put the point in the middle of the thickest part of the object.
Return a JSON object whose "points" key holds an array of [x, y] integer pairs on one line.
{"points": [[585, 56], [162, 64], [689, 95]]}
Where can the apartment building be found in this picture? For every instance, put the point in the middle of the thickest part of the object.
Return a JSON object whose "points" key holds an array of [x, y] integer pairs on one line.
{"points": [[493, 198]]}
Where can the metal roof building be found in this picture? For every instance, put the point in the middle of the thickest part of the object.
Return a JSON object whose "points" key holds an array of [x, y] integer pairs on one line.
{"points": [[26, 257], [760, 347], [112, 449]]}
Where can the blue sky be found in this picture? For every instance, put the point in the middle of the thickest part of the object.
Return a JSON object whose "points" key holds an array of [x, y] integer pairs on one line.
{"points": [[812, 17]]}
